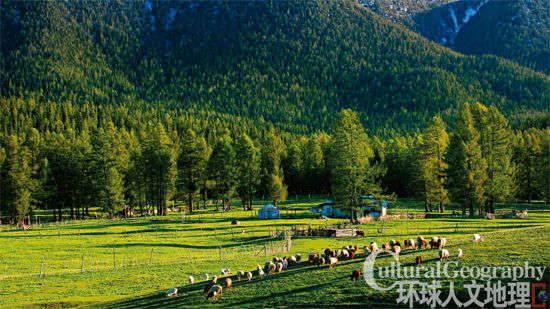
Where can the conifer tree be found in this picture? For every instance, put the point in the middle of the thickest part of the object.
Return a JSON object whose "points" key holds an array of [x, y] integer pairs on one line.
{"points": [[496, 149], [222, 169], [467, 171], [193, 157], [433, 168], [248, 170], [349, 161]]}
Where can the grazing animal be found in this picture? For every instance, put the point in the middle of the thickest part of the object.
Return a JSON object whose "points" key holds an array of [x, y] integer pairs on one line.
{"points": [[443, 254], [172, 292], [312, 257], [434, 242], [214, 291], [355, 275], [298, 257], [191, 280], [279, 267], [267, 266], [249, 276], [385, 247], [228, 282], [320, 261], [214, 279], [333, 262], [460, 253], [261, 272], [418, 260], [477, 239], [409, 244], [373, 247], [330, 253], [396, 249], [360, 233], [344, 254], [225, 271], [292, 261], [353, 248], [442, 242], [285, 263], [240, 275], [352, 255], [207, 277], [272, 268], [420, 242]]}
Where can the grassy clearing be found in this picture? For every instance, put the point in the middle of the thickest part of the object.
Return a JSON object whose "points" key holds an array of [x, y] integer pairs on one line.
{"points": [[153, 254]]}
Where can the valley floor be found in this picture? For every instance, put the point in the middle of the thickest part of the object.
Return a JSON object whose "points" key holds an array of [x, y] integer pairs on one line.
{"points": [[131, 263]]}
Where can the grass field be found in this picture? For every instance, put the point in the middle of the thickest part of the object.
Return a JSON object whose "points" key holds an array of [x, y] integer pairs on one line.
{"points": [[153, 254]]}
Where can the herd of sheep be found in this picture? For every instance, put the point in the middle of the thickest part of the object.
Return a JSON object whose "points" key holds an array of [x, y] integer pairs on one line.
{"points": [[329, 257]]}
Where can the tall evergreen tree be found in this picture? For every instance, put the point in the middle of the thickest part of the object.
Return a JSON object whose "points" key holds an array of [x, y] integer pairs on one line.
{"points": [[496, 149], [222, 169], [349, 161], [248, 170], [433, 168], [193, 157], [18, 180], [467, 171]]}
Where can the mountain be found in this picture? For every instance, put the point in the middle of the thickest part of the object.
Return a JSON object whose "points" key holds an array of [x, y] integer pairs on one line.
{"points": [[282, 62], [518, 30]]}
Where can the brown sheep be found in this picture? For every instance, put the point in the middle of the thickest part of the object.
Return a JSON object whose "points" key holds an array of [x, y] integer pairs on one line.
{"points": [[228, 283], [355, 275], [434, 242], [418, 259], [442, 242], [272, 268], [312, 258], [360, 233], [279, 267]]}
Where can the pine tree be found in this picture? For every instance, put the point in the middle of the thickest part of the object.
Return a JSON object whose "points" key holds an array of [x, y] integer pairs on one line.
{"points": [[527, 152], [433, 146], [496, 150], [248, 170], [349, 161], [114, 191], [18, 180], [467, 171], [222, 169], [543, 167], [193, 157]]}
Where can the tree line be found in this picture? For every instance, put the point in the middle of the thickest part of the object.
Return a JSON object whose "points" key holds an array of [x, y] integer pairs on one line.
{"points": [[139, 159]]}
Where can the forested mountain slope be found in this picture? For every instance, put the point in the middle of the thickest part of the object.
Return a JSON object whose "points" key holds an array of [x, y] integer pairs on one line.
{"points": [[517, 30], [283, 62]]}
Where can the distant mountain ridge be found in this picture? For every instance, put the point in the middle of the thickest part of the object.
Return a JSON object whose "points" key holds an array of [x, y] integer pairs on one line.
{"points": [[518, 30], [282, 62]]}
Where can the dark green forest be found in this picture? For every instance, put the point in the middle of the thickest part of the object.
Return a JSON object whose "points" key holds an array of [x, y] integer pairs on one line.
{"points": [[135, 106], [293, 64]]}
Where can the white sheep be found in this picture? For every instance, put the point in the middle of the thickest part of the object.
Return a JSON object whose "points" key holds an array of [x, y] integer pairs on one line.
{"points": [[373, 247], [477, 239], [214, 279], [249, 276], [261, 272], [444, 254], [333, 262], [207, 277], [240, 275], [225, 271], [460, 253], [191, 280]]}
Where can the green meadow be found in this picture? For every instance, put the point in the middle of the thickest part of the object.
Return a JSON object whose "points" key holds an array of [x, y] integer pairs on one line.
{"points": [[128, 263]]}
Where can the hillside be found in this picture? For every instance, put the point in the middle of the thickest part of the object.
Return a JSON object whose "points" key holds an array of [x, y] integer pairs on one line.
{"points": [[283, 62], [516, 30]]}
